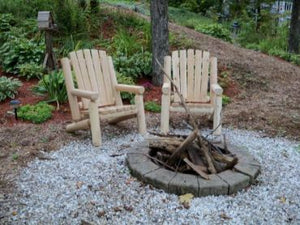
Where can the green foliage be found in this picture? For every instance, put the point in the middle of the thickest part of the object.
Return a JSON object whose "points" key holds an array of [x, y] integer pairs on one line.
{"points": [[23, 8], [73, 43], [31, 70], [6, 21], [186, 18], [122, 79], [53, 85], [152, 106], [15, 156], [70, 17], [225, 100], [8, 87], [215, 30], [139, 64], [124, 42], [18, 51], [38, 113]]}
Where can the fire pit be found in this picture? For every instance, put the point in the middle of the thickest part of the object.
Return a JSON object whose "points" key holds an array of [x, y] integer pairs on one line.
{"points": [[192, 164], [146, 162]]}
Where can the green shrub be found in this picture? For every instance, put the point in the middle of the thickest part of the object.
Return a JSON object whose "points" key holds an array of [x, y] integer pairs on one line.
{"points": [[122, 79], [53, 85], [31, 70], [38, 113], [8, 87], [225, 100], [18, 51], [139, 64], [215, 30], [152, 106]]}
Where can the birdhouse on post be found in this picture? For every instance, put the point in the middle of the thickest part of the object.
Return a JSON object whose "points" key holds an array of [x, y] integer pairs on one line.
{"points": [[46, 23]]}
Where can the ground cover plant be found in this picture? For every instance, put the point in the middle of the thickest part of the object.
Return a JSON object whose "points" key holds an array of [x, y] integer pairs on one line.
{"points": [[38, 113]]}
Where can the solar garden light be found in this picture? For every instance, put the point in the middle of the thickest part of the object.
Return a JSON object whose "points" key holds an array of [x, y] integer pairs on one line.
{"points": [[14, 104], [235, 28]]}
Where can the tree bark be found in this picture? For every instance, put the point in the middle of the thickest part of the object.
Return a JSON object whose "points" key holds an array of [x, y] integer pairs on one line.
{"points": [[294, 36], [160, 37]]}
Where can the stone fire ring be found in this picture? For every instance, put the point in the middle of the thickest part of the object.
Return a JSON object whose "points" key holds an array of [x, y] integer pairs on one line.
{"points": [[227, 182]]}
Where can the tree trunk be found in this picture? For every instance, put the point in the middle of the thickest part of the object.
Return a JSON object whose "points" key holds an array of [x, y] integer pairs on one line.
{"points": [[160, 37], [294, 36]]}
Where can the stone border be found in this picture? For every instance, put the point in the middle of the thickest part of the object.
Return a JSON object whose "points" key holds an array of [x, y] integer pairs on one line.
{"points": [[226, 182]]}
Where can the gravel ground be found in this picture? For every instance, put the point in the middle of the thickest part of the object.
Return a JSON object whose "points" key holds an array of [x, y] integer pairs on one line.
{"points": [[80, 184]]}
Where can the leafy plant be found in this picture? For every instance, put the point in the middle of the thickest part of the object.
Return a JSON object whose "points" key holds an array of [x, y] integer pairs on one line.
{"points": [[38, 113], [53, 85], [124, 42], [18, 51], [6, 21], [15, 156], [8, 87], [133, 66], [31, 70], [225, 100], [152, 106], [215, 30], [122, 79]]}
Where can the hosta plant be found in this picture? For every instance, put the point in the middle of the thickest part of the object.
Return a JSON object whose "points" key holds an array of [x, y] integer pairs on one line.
{"points": [[8, 87]]}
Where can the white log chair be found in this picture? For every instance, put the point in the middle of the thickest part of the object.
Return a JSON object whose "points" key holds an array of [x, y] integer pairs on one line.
{"points": [[98, 93], [192, 71]]}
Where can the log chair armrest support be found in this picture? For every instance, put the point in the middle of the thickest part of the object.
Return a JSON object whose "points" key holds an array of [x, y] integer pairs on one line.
{"points": [[91, 95], [130, 88], [216, 88], [166, 88]]}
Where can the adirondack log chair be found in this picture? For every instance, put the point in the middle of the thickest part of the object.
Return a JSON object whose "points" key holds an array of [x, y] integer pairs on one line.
{"points": [[98, 93], [193, 71]]}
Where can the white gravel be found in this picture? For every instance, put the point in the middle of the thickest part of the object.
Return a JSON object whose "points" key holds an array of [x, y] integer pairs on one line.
{"points": [[85, 184]]}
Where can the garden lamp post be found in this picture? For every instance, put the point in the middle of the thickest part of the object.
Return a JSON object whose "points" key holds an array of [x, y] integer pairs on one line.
{"points": [[235, 29], [14, 104]]}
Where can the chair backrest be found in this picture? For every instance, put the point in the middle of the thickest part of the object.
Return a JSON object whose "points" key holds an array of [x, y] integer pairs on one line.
{"points": [[192, 71], [94, 71]]}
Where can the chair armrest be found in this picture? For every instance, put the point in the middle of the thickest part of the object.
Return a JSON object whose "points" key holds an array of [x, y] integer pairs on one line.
{"points": [[166, 88], [92, 95], [130, 88], [216, 88]]}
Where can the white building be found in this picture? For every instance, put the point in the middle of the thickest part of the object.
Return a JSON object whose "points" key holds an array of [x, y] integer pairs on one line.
{"points": [[282, 7]]}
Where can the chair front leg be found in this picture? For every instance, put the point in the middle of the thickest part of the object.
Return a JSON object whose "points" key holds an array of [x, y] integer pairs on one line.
{"points": [[95, 123], [217, 124], [165, 108], [139, 102]]}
